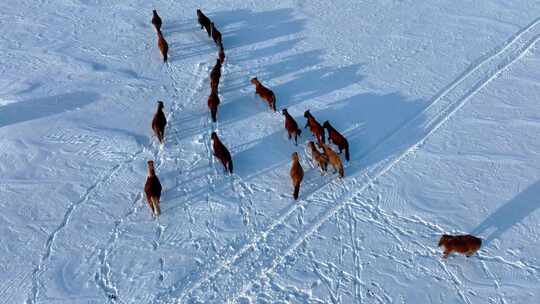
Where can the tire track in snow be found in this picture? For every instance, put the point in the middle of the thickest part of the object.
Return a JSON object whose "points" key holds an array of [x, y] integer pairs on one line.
{"points": [[102, 280], [206, 127], [456, 281], [17, 281], [381, 296], [242, 189], [238, 185], [371, 216], [45, 256], [353, 232], [328, 282], [440, 110], [420, 127], [178, 107], [496, 282], [103, 277], [205, 130], [175, 108]]}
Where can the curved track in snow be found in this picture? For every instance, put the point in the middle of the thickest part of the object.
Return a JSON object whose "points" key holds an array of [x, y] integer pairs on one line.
{"points": [[443, 106]]}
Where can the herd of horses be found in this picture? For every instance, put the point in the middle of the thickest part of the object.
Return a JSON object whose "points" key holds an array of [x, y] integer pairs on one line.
{"points": [[466, 244]]}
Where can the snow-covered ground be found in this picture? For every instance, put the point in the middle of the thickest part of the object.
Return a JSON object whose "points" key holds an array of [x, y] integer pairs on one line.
{"points": [[439, 101]]}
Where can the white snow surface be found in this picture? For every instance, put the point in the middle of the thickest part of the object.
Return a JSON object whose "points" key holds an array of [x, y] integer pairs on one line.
{"points": [[439, 101]]}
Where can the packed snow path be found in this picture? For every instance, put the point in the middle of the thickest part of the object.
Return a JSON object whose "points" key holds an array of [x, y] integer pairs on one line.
{"points": [[439, 105]]}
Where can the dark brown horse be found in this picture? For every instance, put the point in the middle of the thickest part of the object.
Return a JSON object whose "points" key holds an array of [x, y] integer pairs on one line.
{"points": [[156, 20], [222, 153], [215, 76], [221, 53], [213, 103], [339, 140], [204, 21], [216, 35], [159, 122]]}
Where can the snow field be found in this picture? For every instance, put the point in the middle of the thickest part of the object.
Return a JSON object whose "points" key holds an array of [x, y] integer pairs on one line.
{"points": [[437, 103]]}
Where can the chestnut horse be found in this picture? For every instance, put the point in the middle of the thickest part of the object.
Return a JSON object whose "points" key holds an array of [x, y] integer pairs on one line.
{"points": [[320, 158], [315, 127], [163, 46], [152, 189], [297, 174], [291, 126], [334, 160], [265, 93], [465, 244]]}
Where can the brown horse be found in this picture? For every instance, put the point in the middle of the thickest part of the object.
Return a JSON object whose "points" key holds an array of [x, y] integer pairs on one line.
{"points": [[315, 127], [159, 122], [221, 53], [333, 159], [213, 103], [265, 93], [291, 126], [204, 21], [156, 20], [339, 140], [465, 244], [297, 174], [222, 153], [320, 158], [216, 35], [215, 76], [152, 189], [163, 46]]}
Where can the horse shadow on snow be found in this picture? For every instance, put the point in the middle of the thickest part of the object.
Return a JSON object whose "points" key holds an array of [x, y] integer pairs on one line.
{"points": [[37, 108], [365, 120], [510, 214], [240, 28]]}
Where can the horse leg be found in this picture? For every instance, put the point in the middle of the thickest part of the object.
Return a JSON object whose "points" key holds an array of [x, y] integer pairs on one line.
{"points": [[224, 165], [445, 254], [149, 200]]}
